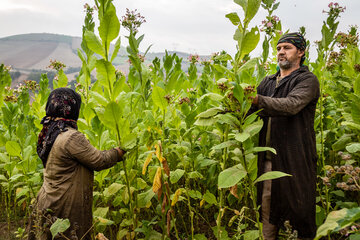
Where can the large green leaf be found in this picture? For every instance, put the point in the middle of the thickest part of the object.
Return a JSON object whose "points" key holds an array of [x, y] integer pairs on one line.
{"points": [[116, 49], [112, 189], [355, 108], [62, 79], [205, 121], [337, 220], [176, 175], [326, 36], [109, 28], [251, 234], [158, 96], [105, 73], [59, 226], [13, 148], [224, 145], [242, 137], [99, 99], [353, 148], [252, 9], [231, 176], [238, 93], [271, 175], [260, 149], [228, 118], [210, 112], [250, 41], [144, 199], [101, 212], [249, 64], [112, 115], [254, 128], [209, 197], [234, 18], [351, 125], [94, 43], [243, 4]]}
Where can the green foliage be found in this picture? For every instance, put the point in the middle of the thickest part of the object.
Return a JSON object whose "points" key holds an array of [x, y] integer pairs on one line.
{"points": [[191, 139], [59, 226]]}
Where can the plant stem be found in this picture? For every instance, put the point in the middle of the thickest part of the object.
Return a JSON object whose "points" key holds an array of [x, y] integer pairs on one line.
{"points": [[252, 194]]}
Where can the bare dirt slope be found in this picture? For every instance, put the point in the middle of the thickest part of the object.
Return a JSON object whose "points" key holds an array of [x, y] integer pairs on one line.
{"points": [[34, 51]]}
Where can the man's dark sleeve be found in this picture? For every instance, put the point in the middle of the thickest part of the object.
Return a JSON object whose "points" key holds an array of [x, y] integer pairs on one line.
{"points": [[300, 96]]}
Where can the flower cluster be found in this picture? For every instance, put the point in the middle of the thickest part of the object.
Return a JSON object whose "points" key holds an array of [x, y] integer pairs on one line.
{"points": [[168, 98], [56, 65], [11, 95], [350, 175], [222, 86], [334, 9], [335, 59], [191, 90], [269, 25], [132, 20], [344, 40], [194, 58], [355, 228], [89, 9], [31, 85], [205, 62], [184, 100], [7, 68], [249, 90], [141, 57], [357, 67]]}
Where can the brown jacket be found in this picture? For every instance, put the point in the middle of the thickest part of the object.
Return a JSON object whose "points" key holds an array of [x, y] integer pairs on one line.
{"points": [[68, 182]]}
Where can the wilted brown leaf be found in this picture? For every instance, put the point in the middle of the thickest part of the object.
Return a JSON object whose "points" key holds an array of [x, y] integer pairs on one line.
{"points": [[233, 191], [101, 236], [165, 166]]}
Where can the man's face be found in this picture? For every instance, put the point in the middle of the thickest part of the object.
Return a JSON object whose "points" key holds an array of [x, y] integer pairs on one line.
{"points": [[288, 55]]}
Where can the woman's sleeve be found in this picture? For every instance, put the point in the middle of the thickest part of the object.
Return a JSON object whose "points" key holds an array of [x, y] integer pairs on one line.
{"points": [[80, 149]]}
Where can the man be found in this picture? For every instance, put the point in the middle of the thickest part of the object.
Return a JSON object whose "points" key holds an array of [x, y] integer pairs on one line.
{"points": [[288, 102]]}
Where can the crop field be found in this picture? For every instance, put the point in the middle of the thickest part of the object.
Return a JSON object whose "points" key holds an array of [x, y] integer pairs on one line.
{"points": [[191, 163]]}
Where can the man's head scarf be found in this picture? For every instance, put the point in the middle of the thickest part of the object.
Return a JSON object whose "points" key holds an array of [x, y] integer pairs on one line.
{"points": [[62, 111], [295, 39]]}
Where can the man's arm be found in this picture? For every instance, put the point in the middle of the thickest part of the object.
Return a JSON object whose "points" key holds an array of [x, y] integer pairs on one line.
{"points": [[301, 95]]}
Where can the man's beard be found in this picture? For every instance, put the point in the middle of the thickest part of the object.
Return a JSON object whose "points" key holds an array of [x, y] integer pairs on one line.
{"points": [[285, 64]]}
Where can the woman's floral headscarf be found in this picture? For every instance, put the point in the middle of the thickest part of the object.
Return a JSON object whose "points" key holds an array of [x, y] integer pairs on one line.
{"points": [[62, 111]]}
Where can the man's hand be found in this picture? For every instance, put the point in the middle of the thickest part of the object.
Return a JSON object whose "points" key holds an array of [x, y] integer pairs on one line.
{"points": [[120, 151], [255, 100]]}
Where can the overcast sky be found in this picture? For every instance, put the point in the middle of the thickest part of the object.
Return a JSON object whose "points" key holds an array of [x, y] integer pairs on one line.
{"points": [[194, 26]]}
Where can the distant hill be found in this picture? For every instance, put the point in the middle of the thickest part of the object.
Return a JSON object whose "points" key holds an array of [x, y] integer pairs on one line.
{"points": [[30, 54], [34, 50]]}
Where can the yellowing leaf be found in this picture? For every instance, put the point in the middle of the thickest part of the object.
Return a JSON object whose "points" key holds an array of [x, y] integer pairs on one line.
{"points": [[159, 151], [157, 180], [176, 197], [146, 163], [202, 202]]}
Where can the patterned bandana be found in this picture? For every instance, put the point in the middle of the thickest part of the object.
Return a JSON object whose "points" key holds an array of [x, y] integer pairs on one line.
{"points": [[294, 38], [62, 111]]}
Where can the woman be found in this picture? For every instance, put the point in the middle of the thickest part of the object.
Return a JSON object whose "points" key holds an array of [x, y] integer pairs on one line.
{"points": [[69, 163]]}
